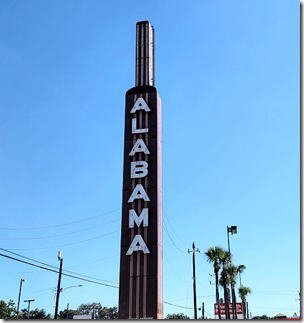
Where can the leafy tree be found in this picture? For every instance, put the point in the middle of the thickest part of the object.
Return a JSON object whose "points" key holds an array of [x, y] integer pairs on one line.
{"points": [[214, 255], [63, 314], [35, 314], [98, 310], [7, 311], [262, 317], [180, 316], [243, 292], [205, 318]]}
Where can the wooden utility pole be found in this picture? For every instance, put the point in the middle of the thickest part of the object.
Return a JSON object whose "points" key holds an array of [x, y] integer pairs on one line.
{"points": [[58, 287], [194, 282]]}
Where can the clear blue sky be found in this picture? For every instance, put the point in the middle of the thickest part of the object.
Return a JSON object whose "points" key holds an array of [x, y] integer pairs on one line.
{"points": [[228, 75]]}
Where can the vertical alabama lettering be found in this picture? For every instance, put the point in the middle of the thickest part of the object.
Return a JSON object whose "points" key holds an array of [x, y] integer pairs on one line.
{"points": [[139, 169]]}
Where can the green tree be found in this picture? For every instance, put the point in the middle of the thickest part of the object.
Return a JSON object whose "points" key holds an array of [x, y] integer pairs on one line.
{"points": [[227, 291], [7, 310], [63, 314], [36, 314], [225, 260], [232, 273], [214, 255], [262, 317], [180, 316], [98, 310], [243, 292]]}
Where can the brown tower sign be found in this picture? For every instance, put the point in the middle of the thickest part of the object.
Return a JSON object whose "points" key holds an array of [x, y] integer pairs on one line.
{"points": [[141, 259]]}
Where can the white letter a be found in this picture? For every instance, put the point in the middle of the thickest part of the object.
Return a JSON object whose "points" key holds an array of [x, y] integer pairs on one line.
{"points": [[137, 245]]}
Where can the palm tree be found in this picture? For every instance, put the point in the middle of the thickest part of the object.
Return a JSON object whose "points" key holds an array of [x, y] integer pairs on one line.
{"points": [[226, 291], [214, 255], [243, 292], [233, 272], [225, 261]]}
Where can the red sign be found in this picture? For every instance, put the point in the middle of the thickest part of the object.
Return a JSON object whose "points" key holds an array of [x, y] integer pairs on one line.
{"points": [[239, 309]]}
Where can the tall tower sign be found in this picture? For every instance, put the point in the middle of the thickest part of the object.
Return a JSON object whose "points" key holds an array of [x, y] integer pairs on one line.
{"points": [[141, 259]]}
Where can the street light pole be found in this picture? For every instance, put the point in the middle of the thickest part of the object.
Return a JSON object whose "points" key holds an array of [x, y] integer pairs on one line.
{"points": [[28, 309], [22, 280], [241, 268], [58, 287], [232, 230]]}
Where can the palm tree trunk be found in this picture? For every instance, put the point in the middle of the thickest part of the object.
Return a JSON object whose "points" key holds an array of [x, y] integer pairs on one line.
{"points": [[217, 289], [244, 307], [234, 302], [224, 276]]}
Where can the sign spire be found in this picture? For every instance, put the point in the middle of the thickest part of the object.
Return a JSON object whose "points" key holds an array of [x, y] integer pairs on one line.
{"points": [[144, 68]]}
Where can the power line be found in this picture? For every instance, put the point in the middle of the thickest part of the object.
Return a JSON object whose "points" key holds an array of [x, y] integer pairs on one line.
{"points": [[60, 225], [92, 262], [166, 230], [68, 244], [56, 271], [202, 267], [173, 229], [51, 265], [190, 308], [173, 269], [204, 288], [60, 235], [205, 259], [55, 267]]}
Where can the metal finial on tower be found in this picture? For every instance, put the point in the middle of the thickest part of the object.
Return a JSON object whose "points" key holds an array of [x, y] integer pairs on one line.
{"points": [[144, 71]]}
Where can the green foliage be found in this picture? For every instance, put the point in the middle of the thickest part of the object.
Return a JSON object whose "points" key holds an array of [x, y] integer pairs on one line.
{"points": [[214, 254], [63, 314], [180, 316], [225, 258], [35, 314], [7, 311], [243, 292], [232, 272], [101, 312], [262, 317]]}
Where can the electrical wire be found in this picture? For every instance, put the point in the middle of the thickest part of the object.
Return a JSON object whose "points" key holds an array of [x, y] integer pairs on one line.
{"points": [[166, 230], [204, 287], [173, 229], [202, 266], [190, 308], [205, 259], [43, 263], [55, 271], [67, 244], [92, 262], [64, 234], [173, 269], [60, 225]]}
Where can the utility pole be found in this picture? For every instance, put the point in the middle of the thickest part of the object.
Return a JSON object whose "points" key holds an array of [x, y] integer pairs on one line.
{"points": [[67, 317], [28, 309], [194, 284], [22, 280], [58, 287], [203, 310]]}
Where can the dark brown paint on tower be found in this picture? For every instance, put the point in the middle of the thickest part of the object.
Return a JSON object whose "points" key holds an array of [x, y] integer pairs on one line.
{"points": [[141, 274]]}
